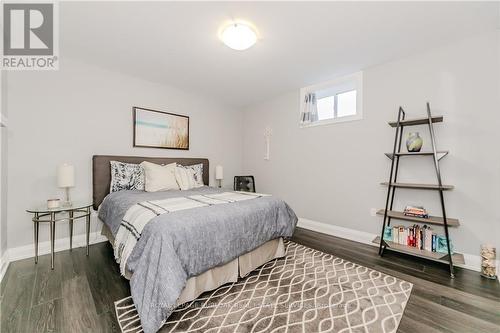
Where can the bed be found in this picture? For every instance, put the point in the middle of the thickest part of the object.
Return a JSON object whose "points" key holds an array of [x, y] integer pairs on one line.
{"points": [[182, 254]]}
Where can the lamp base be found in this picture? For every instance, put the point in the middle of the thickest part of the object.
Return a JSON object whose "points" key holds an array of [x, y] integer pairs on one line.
{"points": [[220, 183], [67, 200]]}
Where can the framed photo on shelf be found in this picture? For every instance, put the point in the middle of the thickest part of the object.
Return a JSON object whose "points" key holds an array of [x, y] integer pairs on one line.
{"points": [[158, 129]]}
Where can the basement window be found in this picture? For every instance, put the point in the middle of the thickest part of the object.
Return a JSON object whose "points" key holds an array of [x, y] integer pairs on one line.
{"points": [[335, 101]]}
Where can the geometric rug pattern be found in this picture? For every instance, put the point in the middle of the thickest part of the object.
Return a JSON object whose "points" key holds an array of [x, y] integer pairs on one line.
{"points": [[305, 291]]}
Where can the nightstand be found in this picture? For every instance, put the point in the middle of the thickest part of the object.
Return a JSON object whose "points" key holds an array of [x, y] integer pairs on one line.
{"points": [[77, 210]]}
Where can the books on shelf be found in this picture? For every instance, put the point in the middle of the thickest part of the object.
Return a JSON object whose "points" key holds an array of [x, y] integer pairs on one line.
{"points": [[427, 239], [422, 238], [415, 211]]}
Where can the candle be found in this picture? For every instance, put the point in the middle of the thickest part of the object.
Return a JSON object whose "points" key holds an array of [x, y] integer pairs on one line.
{"points": [[53, 203]]}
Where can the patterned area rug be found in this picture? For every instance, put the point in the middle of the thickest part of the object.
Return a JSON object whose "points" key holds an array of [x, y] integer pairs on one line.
{"points": [[306, 291]]}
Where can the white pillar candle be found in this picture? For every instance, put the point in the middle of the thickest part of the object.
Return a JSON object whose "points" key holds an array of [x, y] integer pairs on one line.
{"points": [[53, 203]]}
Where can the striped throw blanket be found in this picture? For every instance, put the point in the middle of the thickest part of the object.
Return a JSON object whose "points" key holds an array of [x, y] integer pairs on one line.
{"points": [[142, 213]]}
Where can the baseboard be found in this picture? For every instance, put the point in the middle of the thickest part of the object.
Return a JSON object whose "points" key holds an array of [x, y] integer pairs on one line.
{"points": [[472, 262], [61, 244], [4, 264], [335, 230]]}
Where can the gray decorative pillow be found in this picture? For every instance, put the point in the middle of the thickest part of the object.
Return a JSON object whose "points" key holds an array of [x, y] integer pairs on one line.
{"points": [[198, 173], [126, 176]]}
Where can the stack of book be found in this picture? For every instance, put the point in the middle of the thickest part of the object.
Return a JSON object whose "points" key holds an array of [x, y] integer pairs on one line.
{"points": [[416, 211], [416, 236]]}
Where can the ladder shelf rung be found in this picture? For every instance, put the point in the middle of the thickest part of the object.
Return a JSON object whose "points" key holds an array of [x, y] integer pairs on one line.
{"points": [[420, 186], [437, 220], [417, 121], [440, 154], [458, 258]]}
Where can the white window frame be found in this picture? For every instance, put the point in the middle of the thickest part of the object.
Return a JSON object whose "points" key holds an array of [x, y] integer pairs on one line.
{"points": [[338, 86]]}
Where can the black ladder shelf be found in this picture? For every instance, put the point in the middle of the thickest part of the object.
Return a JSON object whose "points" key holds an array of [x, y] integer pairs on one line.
{"points": [[392, 185]]}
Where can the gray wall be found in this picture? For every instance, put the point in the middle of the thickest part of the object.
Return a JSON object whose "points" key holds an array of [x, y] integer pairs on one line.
{"points": [[3, 167], [81, 110], [328, 173], [331, 173]]}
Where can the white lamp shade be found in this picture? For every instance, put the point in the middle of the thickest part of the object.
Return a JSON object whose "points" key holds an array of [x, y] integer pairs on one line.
{"points": [[219, 172], [66, 175]]}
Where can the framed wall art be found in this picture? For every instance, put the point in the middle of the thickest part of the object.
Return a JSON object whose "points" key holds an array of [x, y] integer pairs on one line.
{"points": [[158, 129]]}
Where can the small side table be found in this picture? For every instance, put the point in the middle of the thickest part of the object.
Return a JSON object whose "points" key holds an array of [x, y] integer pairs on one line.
{"points": [[76, 211]]}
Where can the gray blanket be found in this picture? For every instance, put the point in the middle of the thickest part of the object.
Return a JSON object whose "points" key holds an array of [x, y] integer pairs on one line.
{"points": [[176, 246]]}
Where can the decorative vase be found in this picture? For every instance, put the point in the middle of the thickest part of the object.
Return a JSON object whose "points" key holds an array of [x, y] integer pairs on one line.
{"points": [[488, 261], [414, 142]]}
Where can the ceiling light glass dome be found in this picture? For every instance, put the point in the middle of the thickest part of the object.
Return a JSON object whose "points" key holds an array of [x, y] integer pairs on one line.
{"points": [[238, 36]]}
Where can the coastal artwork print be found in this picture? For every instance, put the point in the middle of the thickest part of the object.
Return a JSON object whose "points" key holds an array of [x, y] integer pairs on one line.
{"points": [[157, 129]]}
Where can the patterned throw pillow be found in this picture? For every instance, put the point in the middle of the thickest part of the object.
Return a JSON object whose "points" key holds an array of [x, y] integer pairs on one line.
{"points": [[197, 173], [184, 177], [126, 176]]}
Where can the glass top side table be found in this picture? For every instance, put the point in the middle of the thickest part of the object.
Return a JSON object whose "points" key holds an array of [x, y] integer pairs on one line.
{"points": [[42, 214]]}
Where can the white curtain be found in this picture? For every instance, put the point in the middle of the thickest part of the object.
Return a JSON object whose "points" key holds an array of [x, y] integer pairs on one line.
{"points": [[309, 112]]}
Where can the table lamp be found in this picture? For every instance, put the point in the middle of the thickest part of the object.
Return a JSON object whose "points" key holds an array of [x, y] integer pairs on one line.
{"points": [[66, 180], [219, 174]]}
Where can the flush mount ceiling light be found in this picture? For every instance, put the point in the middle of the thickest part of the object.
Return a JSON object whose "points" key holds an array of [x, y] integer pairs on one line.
{"points": [[238, 36]]}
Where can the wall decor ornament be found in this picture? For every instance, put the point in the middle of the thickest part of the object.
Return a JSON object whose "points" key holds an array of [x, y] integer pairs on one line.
{"points": [[268, 132], [414, 142], [158, 129]]}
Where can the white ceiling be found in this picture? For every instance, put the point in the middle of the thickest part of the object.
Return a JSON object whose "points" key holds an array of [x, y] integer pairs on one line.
{"points": [[300, 43]]}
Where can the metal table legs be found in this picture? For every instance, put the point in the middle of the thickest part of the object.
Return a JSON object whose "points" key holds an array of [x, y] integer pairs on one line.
{"points": [[52, 219], [87, 228], [52, 238], [36, 229], [70, 230]]}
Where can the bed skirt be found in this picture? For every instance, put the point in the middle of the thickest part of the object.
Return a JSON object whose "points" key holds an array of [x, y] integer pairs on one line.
{"points": [[229, 272]]}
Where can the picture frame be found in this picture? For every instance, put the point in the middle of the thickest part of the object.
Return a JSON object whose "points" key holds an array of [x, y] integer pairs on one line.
{"points": [[159, 129]]}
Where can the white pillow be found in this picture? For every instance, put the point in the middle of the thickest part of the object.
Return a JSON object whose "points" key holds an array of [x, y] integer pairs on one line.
{"points": [[159, 177], [185, 178]]}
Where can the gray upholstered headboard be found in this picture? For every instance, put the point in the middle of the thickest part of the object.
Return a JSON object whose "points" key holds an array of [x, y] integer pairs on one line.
{"points": [[101, 171]]}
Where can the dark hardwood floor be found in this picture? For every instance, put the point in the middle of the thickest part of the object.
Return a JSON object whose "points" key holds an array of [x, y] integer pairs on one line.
{"points": [[468, 303], [78, 295]]}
